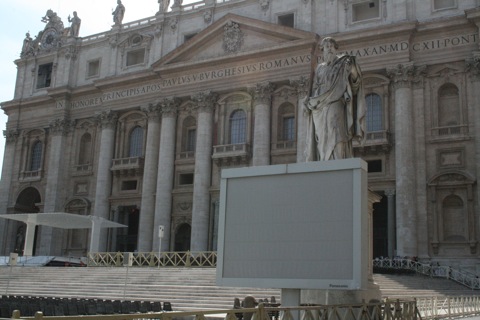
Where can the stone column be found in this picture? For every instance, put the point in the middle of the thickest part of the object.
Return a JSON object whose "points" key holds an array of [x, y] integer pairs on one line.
{"points": [[405, 165], [473, 66], [205, 102], [107, 121], [420, 162], [391, 221], [50, 238], [165, 176], [302, 86], [147, 208], [262, 101], [11, 137]]}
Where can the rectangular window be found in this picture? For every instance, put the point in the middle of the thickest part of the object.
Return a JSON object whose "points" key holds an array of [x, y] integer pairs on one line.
{"points": [[135, 57], [365, 10], [191, 137], [287, 20], [185, 179], [374, 166], [44, 75], [129, 185], [443, 4], [288, 129], [93, 68]]}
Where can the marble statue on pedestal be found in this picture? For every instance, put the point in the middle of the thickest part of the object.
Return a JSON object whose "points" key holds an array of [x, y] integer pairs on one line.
{"points": [[335, 107]]}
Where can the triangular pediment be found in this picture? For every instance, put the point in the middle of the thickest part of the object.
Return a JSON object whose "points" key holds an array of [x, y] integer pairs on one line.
{"points": [[232, 37]]}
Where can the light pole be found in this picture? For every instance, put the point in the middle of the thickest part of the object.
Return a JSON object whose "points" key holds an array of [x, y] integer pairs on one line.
{"points": [[161, 230]]}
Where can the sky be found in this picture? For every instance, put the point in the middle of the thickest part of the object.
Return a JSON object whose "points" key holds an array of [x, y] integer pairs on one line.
{"points": [[17, 17]]}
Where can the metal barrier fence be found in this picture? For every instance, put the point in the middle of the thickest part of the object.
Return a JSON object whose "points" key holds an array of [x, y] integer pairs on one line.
{"points": [[390, 310], [463, 277], [449, 307], [151, 259]]}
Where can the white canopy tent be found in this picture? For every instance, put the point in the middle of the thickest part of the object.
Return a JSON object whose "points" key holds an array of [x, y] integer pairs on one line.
{"points": [[61, 220]]}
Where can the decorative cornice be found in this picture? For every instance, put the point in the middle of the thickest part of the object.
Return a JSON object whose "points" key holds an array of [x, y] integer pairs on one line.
{"points": [[107, 119], [205, 101]]}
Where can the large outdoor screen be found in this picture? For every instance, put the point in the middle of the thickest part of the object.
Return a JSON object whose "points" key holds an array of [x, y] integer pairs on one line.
{"points": [[301, 226]]}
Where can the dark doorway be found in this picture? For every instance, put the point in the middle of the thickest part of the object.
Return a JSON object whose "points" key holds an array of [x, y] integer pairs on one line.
{"points": [[26, 203], [127, 237], [380, 228], [182, 237]]}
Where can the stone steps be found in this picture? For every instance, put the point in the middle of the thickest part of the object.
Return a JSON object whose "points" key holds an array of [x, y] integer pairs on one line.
{"points": [[409, 286], [185, 288]]}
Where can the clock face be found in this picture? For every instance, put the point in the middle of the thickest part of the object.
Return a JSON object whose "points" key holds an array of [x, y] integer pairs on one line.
{"points": [[48, 38]]}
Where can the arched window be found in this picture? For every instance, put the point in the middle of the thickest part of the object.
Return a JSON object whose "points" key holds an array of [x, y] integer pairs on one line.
{"points": [[286, 122], [448, 106], [238, 125], [36, 156], [85, 153], [374, 117], [136, 143], [454, 219], [189, 134]]}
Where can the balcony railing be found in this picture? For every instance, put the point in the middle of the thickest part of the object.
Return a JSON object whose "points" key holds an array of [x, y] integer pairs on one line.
{"points": [[231, 154], [82, 169], [450, 131], [132, 165], [32, 175]]}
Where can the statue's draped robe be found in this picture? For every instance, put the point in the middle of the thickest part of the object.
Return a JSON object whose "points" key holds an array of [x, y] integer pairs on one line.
{"points": [[337, 111]]}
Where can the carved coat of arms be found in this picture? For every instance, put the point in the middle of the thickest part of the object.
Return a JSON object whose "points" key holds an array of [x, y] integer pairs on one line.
{"points": [[232, 37]]}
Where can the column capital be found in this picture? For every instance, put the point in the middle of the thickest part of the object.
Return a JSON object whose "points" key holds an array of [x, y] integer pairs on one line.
{"points": [[205, 100], [262, 92], [472, 65], [11, 136], [169, 107], [107, 119], [60, 126], [302, 85], [390, 192], [153, 111], [403, 75]]}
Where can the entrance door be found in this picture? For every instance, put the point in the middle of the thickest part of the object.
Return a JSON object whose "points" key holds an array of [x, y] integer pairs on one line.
{"points": [[182, 237], [380, 228], [26, 203]]}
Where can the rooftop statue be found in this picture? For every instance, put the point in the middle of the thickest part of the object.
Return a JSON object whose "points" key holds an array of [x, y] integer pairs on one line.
{"points": [[335, 107], [118, 13], [27, 48], [52, 21], [164, 5], [75, 24]]}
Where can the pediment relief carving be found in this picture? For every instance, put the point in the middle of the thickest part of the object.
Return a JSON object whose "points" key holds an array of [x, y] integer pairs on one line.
{"points": [[233, 35], [452, 178]]}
